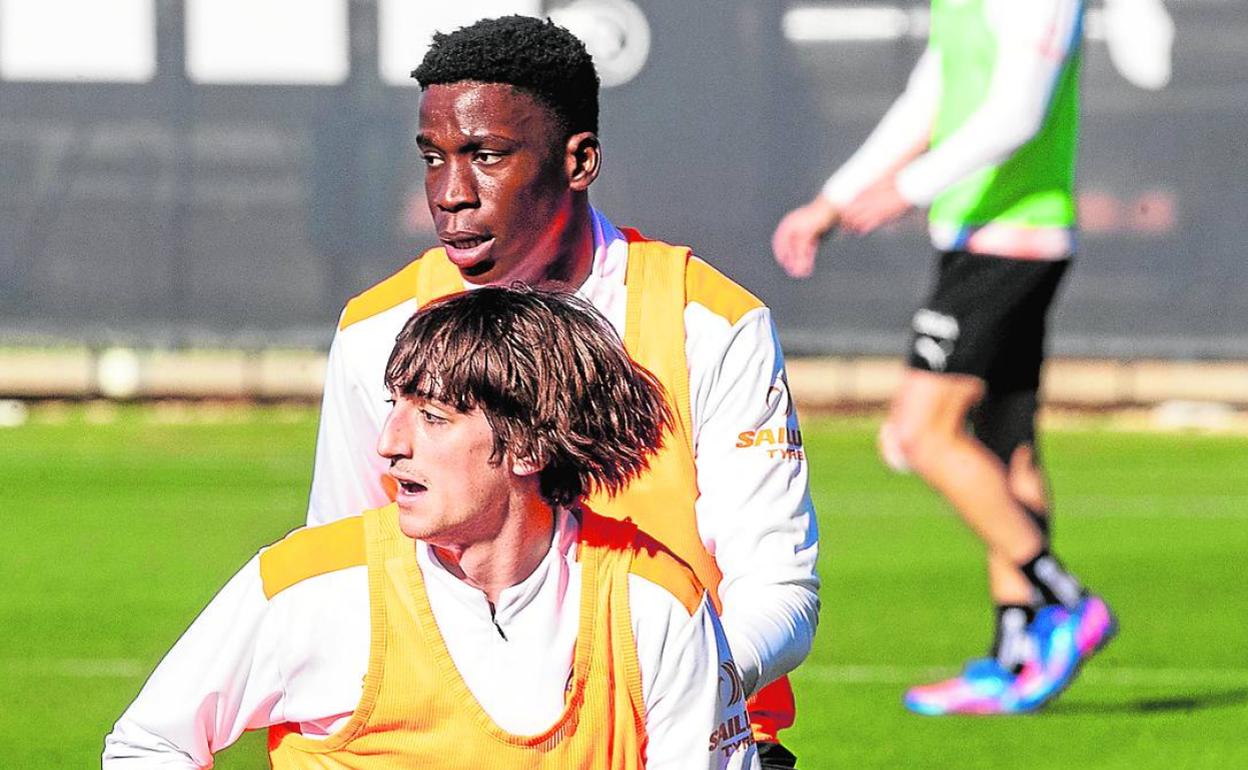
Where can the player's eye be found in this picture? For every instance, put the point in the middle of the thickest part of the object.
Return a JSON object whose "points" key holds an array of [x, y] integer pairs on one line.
{"points": [[432, 161], [431, 418], [390, 401], [486, 158]]}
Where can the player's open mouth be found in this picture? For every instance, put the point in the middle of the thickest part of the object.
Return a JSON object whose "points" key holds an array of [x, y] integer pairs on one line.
{"points": [[468, 250], [411, 487]]}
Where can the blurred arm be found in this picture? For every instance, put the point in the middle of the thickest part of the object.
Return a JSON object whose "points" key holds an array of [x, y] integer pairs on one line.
{"points": [[900, 135], [1034, 39]]}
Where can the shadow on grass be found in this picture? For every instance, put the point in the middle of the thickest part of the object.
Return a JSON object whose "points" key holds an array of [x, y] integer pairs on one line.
{"points": [[1160, 705]]}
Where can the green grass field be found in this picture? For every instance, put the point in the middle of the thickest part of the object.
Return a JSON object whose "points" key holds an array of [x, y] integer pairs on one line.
{"points": [[120, 524]]}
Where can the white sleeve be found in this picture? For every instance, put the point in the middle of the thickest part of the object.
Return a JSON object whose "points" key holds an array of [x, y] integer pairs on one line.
{"points": [[695, 702], [347, 472], [907, 124], [221, 678], [1034, 39], [754, 510]]}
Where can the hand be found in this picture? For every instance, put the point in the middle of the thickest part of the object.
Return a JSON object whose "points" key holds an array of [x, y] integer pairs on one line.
{"points": [[877, 205], [797, 237]]}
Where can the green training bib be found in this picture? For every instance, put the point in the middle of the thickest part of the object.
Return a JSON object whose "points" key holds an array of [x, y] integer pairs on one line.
{"points": [[1034, 187]]}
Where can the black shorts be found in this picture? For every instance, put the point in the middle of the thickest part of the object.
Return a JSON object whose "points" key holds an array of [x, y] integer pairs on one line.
{"points": [[986, 318]]}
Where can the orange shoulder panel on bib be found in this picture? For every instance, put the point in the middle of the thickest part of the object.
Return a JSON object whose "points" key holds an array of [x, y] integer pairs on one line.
{"points": [[717, 292], [654, 562], [430, 276], [393, 291], [649, 558], [312, 551]]}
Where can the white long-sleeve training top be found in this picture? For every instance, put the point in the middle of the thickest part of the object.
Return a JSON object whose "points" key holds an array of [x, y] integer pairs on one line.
{"points": [[1034, 38], [754, 511], [248, 662]]}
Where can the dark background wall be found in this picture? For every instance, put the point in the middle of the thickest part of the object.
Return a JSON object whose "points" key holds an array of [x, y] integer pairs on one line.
{"points": [[175, 213]]}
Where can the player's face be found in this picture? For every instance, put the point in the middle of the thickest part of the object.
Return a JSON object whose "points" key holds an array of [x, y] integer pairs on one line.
{"points": [[449, 493], [496, 180]]}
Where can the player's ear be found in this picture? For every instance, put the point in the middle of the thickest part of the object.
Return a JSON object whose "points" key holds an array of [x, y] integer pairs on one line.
{"points": [[582, 159], [526, 466]]}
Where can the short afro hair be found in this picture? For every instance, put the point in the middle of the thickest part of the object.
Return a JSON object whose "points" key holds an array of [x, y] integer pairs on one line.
{"points": [[533, 55]]}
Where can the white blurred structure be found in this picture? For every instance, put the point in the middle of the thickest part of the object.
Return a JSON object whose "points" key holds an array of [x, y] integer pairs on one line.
{"points": [[1140, 37], [405, 29], [118, 373], [615, 32], [296, 42], [13, 413], [1138, 33], [78, 40]]}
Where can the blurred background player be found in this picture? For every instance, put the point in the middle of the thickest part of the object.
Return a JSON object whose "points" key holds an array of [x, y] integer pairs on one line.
{"points": [[487, 606], [985, 136], [508, 131]]}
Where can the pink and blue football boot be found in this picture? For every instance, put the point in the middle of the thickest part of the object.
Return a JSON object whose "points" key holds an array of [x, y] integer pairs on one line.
{"points": [[1061, 641], [983, 687], [1065, 639]]}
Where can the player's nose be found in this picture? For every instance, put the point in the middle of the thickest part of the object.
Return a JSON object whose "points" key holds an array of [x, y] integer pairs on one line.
{"points": [[457, 187], [394, 443]]}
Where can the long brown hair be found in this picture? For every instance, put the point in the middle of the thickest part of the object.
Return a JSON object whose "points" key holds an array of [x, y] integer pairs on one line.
{"points": [[551, 376]]}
